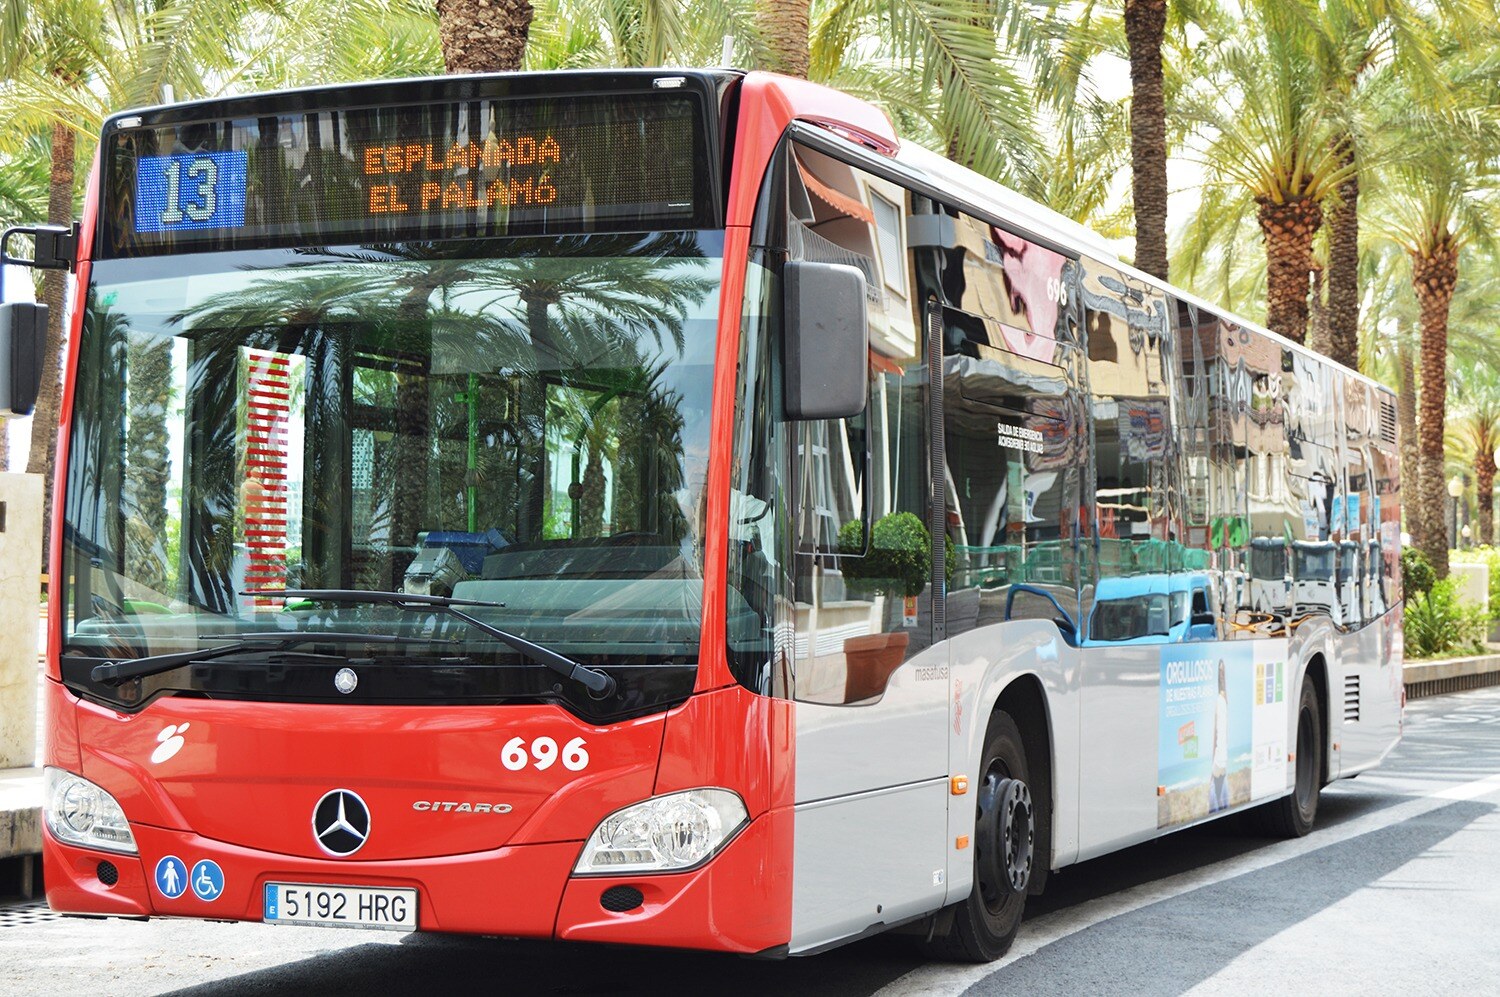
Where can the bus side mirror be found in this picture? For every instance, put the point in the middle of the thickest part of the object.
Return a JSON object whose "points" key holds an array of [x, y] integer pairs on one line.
{"points": [[23, 338], [827, 355]]}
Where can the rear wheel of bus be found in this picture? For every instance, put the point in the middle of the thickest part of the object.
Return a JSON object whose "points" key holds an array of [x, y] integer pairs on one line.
{"points": [[1005, 839], [1292, 816]]}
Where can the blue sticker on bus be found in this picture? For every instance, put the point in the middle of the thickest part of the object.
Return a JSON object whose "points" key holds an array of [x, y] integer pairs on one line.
{"points": [[208, 880], [171, 877], [189, 191]]}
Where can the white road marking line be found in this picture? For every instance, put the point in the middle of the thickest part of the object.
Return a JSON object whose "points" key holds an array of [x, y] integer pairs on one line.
{"points": [[1037, 934], [1469, 790]]}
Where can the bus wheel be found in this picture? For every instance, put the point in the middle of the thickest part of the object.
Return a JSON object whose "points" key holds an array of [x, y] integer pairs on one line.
{"points": [[1005, 823], [1292, 816]]}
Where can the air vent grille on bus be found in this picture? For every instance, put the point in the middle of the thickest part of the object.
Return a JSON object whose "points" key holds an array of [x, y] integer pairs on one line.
{"points": [[1388, 421], [619, 899], [1351, 699]]}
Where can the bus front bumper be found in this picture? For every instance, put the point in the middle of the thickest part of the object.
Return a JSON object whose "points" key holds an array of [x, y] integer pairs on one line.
{"points": [[735, 902]]}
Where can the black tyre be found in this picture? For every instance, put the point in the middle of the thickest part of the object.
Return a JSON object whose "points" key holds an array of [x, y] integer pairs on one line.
{"points": [[1293, 816], [1005, 841]]}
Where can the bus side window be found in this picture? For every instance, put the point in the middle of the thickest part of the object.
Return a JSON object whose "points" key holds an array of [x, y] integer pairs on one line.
{"points": [[1015, 440], [1192, 339], [861, 567], [1134, 450]]}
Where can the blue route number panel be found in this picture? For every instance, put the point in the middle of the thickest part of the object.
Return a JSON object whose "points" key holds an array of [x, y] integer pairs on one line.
{"points": [[190, 191]]}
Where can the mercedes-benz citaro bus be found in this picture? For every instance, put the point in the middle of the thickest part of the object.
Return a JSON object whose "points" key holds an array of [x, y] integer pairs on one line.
{"points": [[666, 508]]}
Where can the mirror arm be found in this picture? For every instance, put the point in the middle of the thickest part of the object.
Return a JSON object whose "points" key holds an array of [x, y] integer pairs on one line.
{"points": [[54, 248]]}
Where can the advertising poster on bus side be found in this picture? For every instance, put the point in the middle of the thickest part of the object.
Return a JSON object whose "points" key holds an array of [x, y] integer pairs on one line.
{"points": [[1221, 725]]}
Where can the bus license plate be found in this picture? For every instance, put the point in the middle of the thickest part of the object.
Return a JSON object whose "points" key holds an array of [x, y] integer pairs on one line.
{"points": [[341, 906]]}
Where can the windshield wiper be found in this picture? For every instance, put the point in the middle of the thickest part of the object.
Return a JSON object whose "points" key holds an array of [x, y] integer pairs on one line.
{"points": [[599, 684], [116, 672]]}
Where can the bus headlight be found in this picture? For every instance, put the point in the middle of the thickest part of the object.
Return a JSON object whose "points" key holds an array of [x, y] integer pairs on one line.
{"points": [[664, 834], [80, 813]]}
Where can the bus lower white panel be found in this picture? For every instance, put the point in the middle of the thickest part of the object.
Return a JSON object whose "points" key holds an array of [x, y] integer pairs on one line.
{"points": [[1117, 779], [876, 858], [1365, 687]]}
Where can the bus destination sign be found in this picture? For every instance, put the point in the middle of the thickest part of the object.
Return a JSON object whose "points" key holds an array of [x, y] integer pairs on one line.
{"points": [[368, 175], [429, 177]]}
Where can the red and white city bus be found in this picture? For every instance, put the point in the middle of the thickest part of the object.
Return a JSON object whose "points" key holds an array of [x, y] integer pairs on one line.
{"points": [[664, 508]]}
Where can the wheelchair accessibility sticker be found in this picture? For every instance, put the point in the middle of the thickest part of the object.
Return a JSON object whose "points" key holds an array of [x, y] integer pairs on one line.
{"points": [[208, 880]]}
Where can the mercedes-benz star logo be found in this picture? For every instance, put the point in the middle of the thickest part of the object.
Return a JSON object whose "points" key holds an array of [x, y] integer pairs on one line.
{"points": [[341, 822]]}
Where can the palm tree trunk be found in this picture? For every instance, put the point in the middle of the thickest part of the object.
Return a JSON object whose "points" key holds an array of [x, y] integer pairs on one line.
{"points": [[1343, 266], [1484, 475], [1433, 277], [1317, 314], [1289, 227], [783, 27], [43, 454], [1406, 412], [1145, 24], [483, 36]]}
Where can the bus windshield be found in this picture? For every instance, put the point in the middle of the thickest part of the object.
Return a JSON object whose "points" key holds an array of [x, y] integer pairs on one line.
{"points": [[519, 421]]}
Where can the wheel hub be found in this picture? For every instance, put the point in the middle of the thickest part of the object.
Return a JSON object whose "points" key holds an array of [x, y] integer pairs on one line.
{"points": [[1006, 830], [1017, 834]]}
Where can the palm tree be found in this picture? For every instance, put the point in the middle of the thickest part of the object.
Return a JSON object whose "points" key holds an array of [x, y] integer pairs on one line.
{"points": [[1440, 200], [484, 36], [48, 43], [23, 177], [1367, 52], [570, 34], [955, 73], [326, 41], [24, 188], [783, 27], [1270, 130], [1145, 27], [1475, 434]]}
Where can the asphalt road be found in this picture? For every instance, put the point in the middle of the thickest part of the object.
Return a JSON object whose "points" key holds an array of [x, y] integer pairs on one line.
{"points": [[1397, 891]]}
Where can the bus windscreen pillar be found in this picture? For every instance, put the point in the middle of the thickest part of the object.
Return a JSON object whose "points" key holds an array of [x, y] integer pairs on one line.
{"points": [[20, 591]]}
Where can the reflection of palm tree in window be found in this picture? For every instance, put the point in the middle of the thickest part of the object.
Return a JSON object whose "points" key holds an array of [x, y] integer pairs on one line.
{"points": [[607, 322]]}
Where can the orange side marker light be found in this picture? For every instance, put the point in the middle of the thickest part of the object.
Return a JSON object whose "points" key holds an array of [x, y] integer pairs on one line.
{"points": [[958, 785], [961, 842]]}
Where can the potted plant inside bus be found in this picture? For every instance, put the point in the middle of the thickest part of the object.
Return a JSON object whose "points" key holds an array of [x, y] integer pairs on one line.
{"points": [[895, 565]]}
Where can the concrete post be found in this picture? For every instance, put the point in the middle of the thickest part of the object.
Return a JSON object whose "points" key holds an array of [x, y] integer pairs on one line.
{"points": [[20, 594]]}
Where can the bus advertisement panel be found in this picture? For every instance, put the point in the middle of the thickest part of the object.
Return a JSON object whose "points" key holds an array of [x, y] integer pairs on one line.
{"points": [[1222, 730]]}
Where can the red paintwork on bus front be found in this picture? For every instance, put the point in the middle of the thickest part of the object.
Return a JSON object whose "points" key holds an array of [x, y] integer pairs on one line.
{"points": [[250, 774], [242, 788]]}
